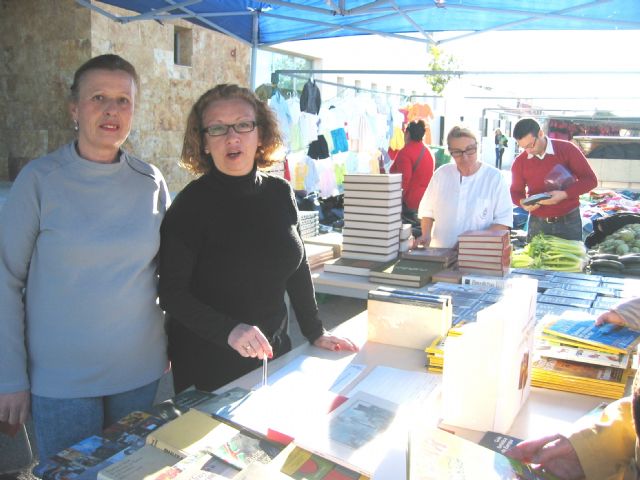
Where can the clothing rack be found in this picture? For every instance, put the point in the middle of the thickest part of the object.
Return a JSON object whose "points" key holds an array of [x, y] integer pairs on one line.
{"points": [[275, 78]]}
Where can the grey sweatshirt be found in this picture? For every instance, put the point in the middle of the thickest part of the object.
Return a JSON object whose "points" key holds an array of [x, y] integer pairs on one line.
{"points": [[81, 238]]}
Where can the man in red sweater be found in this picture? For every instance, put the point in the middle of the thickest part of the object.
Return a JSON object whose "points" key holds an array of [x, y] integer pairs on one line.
{"points": [[556, 167]]}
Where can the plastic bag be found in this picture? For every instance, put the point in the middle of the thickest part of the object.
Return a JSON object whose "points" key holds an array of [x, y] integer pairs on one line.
{"points": [[558, 178]]}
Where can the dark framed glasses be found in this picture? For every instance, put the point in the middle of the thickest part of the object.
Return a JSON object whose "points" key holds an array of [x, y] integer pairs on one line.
{"points": [[471, 150], [219, 129]]}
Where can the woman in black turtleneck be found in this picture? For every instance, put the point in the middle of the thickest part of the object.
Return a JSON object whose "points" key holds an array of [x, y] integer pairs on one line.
{"points": [[231, 248]]}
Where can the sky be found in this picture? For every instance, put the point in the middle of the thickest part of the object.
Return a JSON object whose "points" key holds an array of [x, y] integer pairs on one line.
{"points": [[522, 51]]}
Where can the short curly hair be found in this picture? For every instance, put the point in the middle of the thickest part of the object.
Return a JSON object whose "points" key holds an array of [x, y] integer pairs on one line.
{"points": [[416, 130], [194, 158]]}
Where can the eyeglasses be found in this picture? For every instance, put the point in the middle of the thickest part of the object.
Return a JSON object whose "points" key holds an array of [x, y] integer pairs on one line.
{"points": [[467, 151], [531, 145], [220, 129]]}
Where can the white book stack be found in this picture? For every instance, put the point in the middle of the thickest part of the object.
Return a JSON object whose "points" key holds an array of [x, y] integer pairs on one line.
{"points": [[309, 223], [372, 216]]}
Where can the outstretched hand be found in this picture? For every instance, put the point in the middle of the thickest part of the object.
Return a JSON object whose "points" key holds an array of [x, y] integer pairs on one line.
{"points": [[553, 453], [329, 341], [249, 341]]}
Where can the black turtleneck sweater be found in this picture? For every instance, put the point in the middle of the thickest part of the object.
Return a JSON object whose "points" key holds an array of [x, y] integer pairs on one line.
{"points": [[230, 248]]}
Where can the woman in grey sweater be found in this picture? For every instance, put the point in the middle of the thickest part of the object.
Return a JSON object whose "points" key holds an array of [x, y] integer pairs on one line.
{"points": [[83, 342]]}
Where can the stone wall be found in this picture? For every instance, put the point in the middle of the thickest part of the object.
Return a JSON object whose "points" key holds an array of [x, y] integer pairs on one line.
{"points": [[44, 42]]}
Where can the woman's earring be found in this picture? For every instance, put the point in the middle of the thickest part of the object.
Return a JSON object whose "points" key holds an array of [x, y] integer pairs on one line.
{"points": [[76, 127]]}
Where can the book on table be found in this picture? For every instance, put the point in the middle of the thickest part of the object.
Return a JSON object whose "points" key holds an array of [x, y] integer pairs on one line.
{"points": [[145, 463], [369, 248], [350, 186], [373, 210], [386, 217], [503, 256], [393, 201], [435, 454], [368, 233], [375, 225], [350, 266], [381, 242], [376, 257], [405, 269], [555, 348], [373, 195], [444, 256], [582, 329], [578, 377], [377, 178], [405, 318], [301, 464], [197, 431], [484, 236], [358, 434]]}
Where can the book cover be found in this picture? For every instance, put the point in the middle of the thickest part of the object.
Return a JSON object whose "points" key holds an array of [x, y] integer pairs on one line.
{"points": [[552, 349], [392, 178], [614, 338], [301, 464], [190, 433], [147, 462], [406, 269], [434, 454], [578, 370], [350, 266], [355, 434], [259, 471], [200, 466], [498, 442], [485, 236], [565, 301]]}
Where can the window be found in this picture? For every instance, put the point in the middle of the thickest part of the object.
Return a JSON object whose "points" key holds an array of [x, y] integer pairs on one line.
{"points": [[182, 46]]}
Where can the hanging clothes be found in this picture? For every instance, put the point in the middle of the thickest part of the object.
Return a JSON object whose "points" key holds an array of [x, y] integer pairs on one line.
{"points": [[280, 107], [310, 100], [318, 148]]}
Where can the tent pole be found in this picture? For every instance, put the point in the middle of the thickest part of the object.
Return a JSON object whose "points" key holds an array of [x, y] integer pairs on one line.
{"points": [[254, 51]]}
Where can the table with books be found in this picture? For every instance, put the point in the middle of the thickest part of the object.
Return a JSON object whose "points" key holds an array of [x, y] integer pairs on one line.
{"points": [[312, 395]]}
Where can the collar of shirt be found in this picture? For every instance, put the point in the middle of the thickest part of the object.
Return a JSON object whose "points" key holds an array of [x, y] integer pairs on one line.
{"points": [[547, 151]]}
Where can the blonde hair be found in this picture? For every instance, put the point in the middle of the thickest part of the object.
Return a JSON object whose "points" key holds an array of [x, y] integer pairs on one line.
{"points": [[196, 160], [460, 132]]}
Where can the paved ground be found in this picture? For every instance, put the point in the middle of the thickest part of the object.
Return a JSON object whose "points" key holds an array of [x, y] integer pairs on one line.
{"points": [[14, 455]]}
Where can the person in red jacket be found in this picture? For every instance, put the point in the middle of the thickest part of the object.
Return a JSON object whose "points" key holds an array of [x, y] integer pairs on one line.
{"points": [[555, 167], [415, 163]]}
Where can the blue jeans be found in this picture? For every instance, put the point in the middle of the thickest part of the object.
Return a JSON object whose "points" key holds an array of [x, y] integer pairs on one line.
{"points": [[568, 226], [61, 422]]}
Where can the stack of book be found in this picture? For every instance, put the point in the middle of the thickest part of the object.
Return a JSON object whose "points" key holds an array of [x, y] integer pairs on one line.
{"points": [[484, 251], [435, 355], [407, 319], [332, 239], [317, 255], [404, 272], [351, 266], [309, 223], [573, 354], [372, 216]]}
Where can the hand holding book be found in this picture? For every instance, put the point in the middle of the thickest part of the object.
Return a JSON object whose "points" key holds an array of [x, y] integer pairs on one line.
{"points": [[553, 453]]}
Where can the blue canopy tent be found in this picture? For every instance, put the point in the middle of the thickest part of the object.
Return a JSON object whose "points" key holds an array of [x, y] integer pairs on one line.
{"points": [[270, 22]]}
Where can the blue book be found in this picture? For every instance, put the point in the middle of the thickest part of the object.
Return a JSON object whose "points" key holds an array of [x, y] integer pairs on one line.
{"points": [[609, 337]]}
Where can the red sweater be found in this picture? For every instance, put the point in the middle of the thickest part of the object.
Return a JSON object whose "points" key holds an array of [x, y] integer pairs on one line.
{"points": [[528, 174], [413, 183]]}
